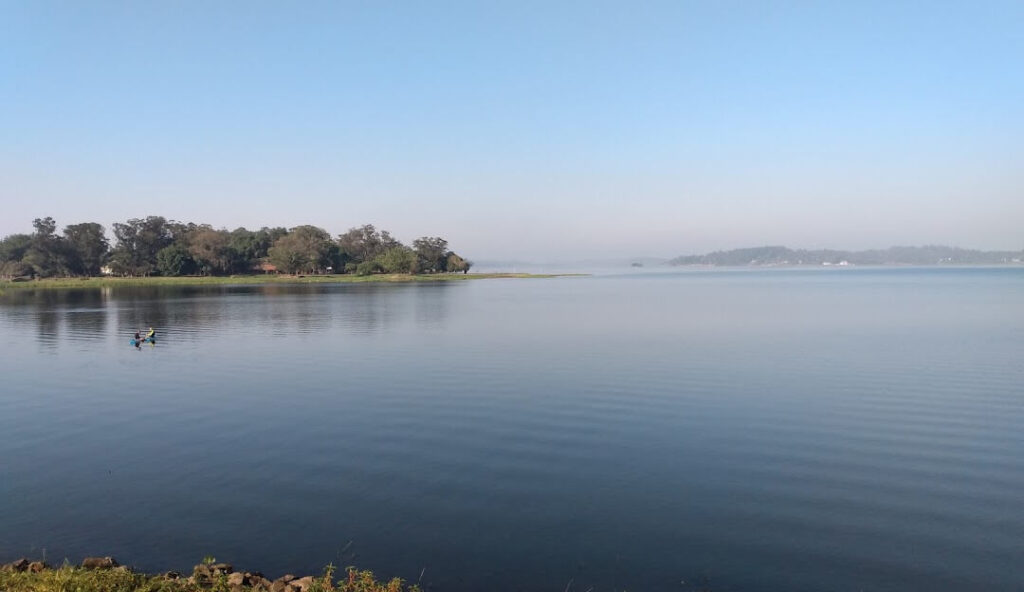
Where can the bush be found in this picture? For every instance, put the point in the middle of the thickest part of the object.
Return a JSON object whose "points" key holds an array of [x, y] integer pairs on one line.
{"points": [[78, 579], [13, 269], [398, 260], [368, 268], [175, 260]]}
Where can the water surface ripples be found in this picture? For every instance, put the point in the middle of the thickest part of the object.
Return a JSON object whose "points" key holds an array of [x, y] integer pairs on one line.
{"points": [[741, 430]]}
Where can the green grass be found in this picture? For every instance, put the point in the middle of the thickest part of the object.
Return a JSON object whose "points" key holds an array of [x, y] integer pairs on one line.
{"points": [[76, 579], [107, 282]]}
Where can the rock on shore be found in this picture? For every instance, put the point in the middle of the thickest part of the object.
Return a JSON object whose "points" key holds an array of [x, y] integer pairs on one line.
{"points": [[204, 575]]}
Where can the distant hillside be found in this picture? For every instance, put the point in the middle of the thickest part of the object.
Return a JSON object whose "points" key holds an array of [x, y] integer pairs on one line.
{"points": [[927, 255]]}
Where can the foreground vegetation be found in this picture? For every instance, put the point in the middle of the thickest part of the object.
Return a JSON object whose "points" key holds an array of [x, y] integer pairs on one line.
{"points": [[23, 576], [156, 246]]}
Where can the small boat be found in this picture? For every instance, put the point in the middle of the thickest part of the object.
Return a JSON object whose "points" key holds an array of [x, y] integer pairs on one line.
{"points": [[144, 340]]}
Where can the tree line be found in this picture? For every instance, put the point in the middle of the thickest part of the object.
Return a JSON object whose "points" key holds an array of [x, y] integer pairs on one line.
{"points": [[157, 246]]}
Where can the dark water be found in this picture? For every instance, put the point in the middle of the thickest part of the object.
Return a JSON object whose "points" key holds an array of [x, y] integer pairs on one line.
{"points": [[754, 430]]}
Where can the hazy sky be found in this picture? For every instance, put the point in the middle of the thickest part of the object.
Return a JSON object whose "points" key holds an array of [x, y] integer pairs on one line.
{"points": [[533, 130]]}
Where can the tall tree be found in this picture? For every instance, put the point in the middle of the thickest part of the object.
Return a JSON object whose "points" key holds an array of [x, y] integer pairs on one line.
{"points": [[44, 227], [175, 260], [47, 253], [305, 249], [14, 247], [269, 236], [432, 253], [253, 246], [399, 259], [88, 246], [247, 244], [138, 242], [364, 243], [212, 252], [12, 251], [181, 232], [454, 263]]}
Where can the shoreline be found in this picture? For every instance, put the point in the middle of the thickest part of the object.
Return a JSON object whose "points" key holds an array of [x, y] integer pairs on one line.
{"points": [[105, 574], [248, 280]]}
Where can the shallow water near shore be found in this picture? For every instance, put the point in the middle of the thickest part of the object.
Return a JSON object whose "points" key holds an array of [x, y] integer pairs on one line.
{"points": [[753, 430]]}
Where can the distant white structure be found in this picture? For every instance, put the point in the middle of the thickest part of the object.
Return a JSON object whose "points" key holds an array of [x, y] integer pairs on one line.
{"points": [[106, 270]]}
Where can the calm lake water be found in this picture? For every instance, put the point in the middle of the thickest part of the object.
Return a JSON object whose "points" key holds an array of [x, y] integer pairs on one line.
{"points": [[741, 430]]}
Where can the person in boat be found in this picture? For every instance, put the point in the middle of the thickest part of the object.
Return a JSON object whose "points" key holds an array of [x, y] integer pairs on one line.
{"points": [[137, 336], [151, 335]]}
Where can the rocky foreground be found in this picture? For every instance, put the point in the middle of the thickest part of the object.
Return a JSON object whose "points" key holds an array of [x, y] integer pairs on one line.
{"points": [[104, 574]]}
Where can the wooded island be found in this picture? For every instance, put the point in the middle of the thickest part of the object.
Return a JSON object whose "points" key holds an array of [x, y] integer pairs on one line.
{"points": [[155, 246]]}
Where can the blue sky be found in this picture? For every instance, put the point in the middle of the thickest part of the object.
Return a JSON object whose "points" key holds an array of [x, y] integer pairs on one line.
{"points": [[531, 130]]}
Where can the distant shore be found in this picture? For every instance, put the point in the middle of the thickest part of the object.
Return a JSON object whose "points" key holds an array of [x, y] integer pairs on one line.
{"points": [[113, 282], [775, 256]]}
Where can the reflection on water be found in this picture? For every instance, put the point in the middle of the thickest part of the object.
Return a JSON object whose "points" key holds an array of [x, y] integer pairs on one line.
{"points": [[756, 431], [181, 312]]}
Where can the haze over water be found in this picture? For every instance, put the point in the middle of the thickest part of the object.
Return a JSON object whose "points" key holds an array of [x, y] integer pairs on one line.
{"points": [[752, 430], [531, 131]]}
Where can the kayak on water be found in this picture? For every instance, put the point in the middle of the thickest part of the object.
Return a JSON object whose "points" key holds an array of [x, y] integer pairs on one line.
{"points": [[138, 340]]}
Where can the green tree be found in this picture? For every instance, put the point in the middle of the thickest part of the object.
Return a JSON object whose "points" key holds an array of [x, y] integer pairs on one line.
{"points": [[13, 269], [175, 260], [138, 242], [305, 249], [432, 253], [252, 246], [247, 244], [399, 259], [454, 263], [88, 246], [47, 253], [181, 232], [368, 268], [14, 247], [212, 251], [44, 227], [365, 243], [269, 236]]}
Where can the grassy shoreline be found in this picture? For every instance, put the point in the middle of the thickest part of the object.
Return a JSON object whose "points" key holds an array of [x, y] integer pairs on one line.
{"points": [[242, 280], [105, 575]]}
